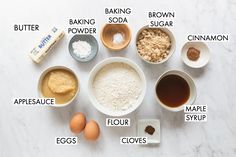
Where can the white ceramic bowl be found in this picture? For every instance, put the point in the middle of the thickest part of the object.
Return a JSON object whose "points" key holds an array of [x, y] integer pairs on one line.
{"points": [[42, 77], [193, 92], [204, 54], [173, 43], [104, 109]]}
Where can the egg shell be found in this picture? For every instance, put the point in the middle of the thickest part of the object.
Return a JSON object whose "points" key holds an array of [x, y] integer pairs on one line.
{"points": [[77, 123], [92, 130]]}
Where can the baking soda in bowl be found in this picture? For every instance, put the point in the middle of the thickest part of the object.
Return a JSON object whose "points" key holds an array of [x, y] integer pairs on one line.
{"points": [[117, 86]]}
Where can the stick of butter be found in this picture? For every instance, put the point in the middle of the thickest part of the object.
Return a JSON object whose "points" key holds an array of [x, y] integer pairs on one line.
{"points": [[46, 44]]}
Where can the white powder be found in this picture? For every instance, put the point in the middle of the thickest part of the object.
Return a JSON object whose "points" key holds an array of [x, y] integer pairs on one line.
{"points": [[117, 86], [118, 38], [81, 49]]}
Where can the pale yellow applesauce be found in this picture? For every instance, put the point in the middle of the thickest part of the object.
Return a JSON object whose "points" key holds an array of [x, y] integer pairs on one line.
{"points": [[59, 84]]}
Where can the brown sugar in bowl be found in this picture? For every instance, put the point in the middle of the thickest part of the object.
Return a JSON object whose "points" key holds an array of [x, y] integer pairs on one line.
{"points": [[108, 32]]}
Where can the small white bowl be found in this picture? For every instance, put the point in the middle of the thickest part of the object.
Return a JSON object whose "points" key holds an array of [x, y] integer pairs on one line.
{"points": [[104, 109], [173, 44], [42, 77], [186, 77], [204, 54]]}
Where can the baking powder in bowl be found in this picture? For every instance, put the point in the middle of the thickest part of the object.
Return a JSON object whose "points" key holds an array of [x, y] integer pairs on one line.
{"points": [[117, 86], [81, 49]]}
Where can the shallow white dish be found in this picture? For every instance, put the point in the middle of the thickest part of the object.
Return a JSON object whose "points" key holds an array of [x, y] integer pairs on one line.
{"points": [[193, 91], [204, 54], [42, 77], [104, 109], [173, 43], [155, 123]]}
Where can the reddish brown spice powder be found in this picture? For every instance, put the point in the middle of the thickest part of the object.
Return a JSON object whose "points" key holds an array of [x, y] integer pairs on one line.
{"points": [[193, 54], [150, 130]]}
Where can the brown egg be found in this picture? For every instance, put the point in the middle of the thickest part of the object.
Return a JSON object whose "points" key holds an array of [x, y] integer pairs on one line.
{"points": [[77, 123], [91, 131]]}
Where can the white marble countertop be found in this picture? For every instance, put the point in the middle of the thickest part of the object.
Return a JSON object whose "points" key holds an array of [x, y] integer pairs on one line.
{"points": [[30, 131]]}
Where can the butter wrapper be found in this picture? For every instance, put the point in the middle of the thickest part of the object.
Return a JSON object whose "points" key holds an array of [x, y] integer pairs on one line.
{"points": [[39, 52]]}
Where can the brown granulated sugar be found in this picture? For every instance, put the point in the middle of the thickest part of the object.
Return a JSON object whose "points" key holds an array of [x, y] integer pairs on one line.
{"points": [[153, 44]]}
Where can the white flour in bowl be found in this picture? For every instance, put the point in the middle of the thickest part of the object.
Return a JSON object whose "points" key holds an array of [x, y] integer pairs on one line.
{"points": [[117, 86]]}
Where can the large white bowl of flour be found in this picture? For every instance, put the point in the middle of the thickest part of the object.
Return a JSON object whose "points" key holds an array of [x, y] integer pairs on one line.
{"points": [[116, 86]]}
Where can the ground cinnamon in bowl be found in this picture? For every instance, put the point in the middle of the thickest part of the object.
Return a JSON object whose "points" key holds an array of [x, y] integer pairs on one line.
{"points": [[193, 54]]}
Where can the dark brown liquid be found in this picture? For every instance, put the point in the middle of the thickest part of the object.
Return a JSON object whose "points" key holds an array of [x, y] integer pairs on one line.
{"points": [[173, 90]]}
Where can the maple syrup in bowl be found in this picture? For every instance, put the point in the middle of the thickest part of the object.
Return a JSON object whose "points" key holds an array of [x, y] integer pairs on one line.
{"points": [[174, 89]]}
